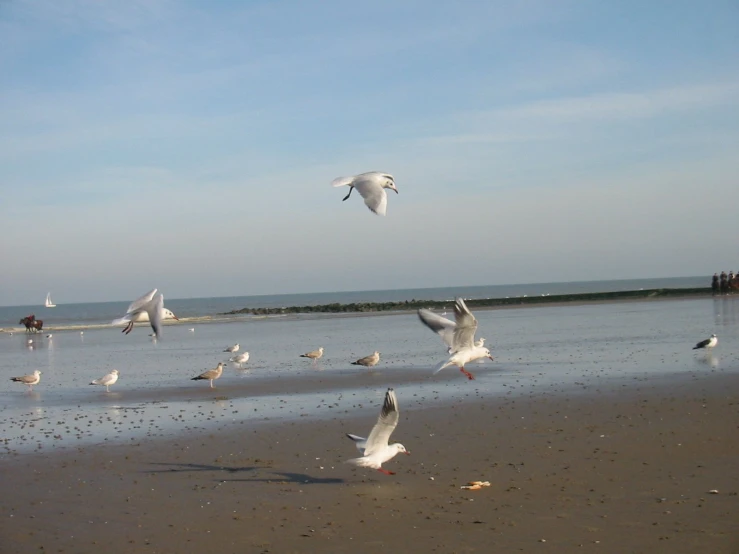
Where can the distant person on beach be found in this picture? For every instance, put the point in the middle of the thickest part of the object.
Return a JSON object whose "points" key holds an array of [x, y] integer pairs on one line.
{"points": [[730, 282], [715, 287], [724, 283]]}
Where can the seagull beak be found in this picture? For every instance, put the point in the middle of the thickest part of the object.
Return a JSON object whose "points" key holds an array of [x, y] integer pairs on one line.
{"points": [[490, 357], [174, 316], [407, 452]]}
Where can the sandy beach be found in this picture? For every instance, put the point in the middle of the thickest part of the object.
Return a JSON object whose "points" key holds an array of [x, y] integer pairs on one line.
{"points": [[624, 468]]}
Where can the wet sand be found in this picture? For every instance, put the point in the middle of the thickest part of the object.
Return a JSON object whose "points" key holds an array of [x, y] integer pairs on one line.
{"points": [[623, 468]]}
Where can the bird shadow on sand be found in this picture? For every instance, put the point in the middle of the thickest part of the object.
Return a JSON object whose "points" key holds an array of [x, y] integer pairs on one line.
{"points": [[182, 468], [289, 477], [277, 476]]}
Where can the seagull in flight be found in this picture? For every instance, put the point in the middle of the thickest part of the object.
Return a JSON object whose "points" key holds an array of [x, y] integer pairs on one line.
{"points": [[375, 449], [371, 186], [459, 336], [152, 304]]}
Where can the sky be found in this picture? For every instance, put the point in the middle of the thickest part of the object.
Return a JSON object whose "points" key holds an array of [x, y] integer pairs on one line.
{"points": [[190, 145]]}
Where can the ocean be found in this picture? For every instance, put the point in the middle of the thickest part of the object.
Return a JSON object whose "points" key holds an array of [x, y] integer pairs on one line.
{"points": [[100, 313], [564, 349]]}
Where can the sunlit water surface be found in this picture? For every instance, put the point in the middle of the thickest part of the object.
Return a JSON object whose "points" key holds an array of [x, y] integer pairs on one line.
{"points": [[562, 350]]}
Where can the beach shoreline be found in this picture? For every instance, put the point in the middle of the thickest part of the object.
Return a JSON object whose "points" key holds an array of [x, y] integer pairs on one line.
{"points": [[614, 467]]}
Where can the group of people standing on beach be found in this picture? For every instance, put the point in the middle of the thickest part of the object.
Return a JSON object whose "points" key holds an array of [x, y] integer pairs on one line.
{"points": [[724, 284]]}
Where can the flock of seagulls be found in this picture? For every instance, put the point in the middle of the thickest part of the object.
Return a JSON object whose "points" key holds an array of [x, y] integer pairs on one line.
{"points": [[457, 335]]}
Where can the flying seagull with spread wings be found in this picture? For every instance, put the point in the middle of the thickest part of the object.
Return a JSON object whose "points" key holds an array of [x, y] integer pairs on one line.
{"points": [[375, 449], [371, 186], [459, 336]]}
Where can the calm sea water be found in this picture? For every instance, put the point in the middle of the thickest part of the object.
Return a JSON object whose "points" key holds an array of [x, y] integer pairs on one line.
{"points": [[104, 312], [553, 349]]}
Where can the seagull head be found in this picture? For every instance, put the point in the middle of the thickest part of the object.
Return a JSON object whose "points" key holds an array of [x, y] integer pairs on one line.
{"points": [[169, 315], [400, 448], [389, 183], [488, 354]]}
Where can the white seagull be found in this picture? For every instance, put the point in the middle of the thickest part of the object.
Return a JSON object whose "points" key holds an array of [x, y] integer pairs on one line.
{"points": [[375, 449], [152, 304], [232, 349], [210, 375], [371, 186], [240, 358], [708, 343], [29, 380], [107, 380], [459, 336]]}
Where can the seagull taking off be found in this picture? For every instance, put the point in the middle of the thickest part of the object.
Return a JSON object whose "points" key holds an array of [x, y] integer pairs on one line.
{"points": [[152, 306], [29, 380], [106, 380], [375, 449], [708, 343], [210, 375], [371, 186], [232, 349], [459, 336], [368, 361], [313, 354]]}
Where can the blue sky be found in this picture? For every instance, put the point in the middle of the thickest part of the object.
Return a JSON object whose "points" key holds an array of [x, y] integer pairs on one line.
{"points": [[190, 146]]}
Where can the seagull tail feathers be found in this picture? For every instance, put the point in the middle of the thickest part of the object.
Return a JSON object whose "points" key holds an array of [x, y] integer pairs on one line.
{"points": [[342, 181], [441, 366], [121, 320]]}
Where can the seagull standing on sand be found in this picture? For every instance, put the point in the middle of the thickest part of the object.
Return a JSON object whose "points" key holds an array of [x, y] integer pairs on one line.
{"points": [[375, 449], [106, 380], [232, 349], [313, 354], [240, 359], [707, 344], [152, 304], [459, 336], [371, 186], [210, 375], [29, 380], [368, 361]]}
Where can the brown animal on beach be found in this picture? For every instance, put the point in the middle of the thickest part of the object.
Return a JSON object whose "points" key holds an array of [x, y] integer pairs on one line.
{"points": [[32, 324]]}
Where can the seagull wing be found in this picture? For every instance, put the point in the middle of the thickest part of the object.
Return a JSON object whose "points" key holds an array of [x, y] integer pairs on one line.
{"points": [[371, 190], [155, 309], [440, 325], [464, 334], [386, 424], [139, 303]]}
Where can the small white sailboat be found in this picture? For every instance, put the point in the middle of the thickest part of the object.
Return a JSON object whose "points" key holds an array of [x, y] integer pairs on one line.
{"points": [[49, 302]]}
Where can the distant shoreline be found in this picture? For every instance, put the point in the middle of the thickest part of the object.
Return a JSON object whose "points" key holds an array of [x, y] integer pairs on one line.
{"points": [[367, 309], [410, 305]]}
